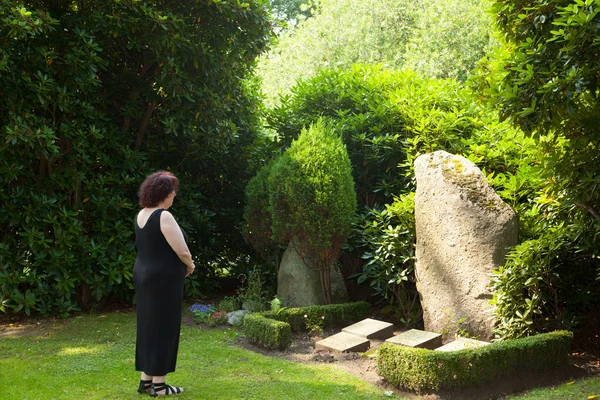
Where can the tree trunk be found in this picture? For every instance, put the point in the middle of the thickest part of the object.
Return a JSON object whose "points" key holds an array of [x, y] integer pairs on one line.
{"points": [[144, 125]]}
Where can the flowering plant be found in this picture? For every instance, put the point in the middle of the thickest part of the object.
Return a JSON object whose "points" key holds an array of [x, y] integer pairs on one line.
{"points": [[202, 312], [218, 318]]}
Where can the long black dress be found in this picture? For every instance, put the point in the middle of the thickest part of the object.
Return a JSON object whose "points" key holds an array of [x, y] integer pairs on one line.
{"points": [[158, 276]]}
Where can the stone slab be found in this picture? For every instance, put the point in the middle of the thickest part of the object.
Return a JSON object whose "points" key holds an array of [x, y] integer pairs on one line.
{"points": [[462, 344], [417, 338], [371, 329], [344, 342]]}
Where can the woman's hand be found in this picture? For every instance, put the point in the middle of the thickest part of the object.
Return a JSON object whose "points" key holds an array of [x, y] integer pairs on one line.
{"points": [[189, 270]]}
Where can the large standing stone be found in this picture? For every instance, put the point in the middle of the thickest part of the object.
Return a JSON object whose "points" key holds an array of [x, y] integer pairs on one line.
{"points": [[463, 232], [300, 285]]}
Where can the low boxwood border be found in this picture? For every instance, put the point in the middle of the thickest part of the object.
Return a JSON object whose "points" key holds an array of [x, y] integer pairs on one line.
{"points": [[273, 329], [422, 370], [267, 332]]}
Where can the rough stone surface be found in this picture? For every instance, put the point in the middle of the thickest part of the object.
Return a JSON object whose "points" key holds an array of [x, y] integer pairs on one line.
{"points": [[236, 317], [417, 338], [344, 342], [462, 344], [299, 285], [463, 232], [371, 329]]}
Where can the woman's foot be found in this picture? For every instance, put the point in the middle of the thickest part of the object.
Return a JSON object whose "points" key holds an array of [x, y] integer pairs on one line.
{"points": [[145, 386], [162, 389]]}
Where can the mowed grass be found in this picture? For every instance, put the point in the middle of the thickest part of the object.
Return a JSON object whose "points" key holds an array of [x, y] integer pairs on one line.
{"points": [[586, 388], [92, 357]]}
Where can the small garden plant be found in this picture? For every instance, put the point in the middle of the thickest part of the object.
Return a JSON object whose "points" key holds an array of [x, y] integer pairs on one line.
{"points": [[208, 314]]}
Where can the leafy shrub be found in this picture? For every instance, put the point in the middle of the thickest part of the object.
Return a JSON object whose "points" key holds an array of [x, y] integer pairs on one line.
{"points": [[388, 239], [228, 304], [421, 369], [217, 318], [312, 198], [254, 296], [257, 227]]}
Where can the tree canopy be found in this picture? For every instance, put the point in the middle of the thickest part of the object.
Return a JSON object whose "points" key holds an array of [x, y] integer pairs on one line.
{"points": [[440, 38]]}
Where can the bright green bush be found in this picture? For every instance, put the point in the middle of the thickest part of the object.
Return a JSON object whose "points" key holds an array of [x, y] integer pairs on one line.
{"points": [[421, 369], [267, 332], [436, 38], [312, 198]]}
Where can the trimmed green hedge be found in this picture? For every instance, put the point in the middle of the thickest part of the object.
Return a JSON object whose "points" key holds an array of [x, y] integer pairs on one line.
{"points": [[267, 332], [335, 314], [421, 369], [273, 329]]}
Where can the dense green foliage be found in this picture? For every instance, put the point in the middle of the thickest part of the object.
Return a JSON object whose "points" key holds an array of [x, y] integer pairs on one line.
{"points": [[96, 95], [312, 199], [387, 119], [257, 227], [544, 79], [422, 369], [387, 237], [441, 38], [273, 329]]}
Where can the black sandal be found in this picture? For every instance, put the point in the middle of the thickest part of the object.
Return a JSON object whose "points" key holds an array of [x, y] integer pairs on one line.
{"points": [[145, 386], [158, 387]]}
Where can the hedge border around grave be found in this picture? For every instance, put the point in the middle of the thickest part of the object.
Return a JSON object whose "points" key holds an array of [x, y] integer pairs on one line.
{"points": [[422, 370], [273, 329]]}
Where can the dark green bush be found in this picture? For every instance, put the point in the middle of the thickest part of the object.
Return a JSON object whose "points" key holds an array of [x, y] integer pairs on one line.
{"points": [[421, 369], [95, 95]]}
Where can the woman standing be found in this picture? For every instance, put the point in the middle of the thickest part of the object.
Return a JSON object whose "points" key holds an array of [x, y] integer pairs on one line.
{"points": [[163, 262]]}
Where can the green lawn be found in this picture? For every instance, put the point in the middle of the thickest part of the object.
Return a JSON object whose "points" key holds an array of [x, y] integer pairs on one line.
{"points": [[587, 388], [91, 357]]}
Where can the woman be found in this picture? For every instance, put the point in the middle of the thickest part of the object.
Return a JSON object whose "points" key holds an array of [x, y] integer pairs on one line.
{"points": [[163, 262]]}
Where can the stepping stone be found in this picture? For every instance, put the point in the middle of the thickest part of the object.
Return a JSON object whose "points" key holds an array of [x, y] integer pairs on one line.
{"points": [[417, 338], [344, 342], [371, 329], [462, 344]]}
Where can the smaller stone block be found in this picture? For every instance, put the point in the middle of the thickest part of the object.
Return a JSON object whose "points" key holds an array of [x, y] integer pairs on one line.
{"points": [[344, 342], [371, 329], [417, 338], [462, 344]]}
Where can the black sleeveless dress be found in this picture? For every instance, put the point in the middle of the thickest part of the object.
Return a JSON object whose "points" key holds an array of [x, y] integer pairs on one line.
{"points": [[158, 276]]}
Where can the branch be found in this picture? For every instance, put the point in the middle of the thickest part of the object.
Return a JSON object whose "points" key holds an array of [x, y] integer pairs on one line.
{"points": [[588, 207], [144, 125]]}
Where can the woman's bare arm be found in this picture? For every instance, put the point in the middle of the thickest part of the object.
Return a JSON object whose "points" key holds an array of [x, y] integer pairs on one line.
{"points": [[174, 236]]}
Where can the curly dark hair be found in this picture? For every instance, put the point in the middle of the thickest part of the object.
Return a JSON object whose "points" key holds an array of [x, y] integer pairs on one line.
{"points": [[157, 187]]}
